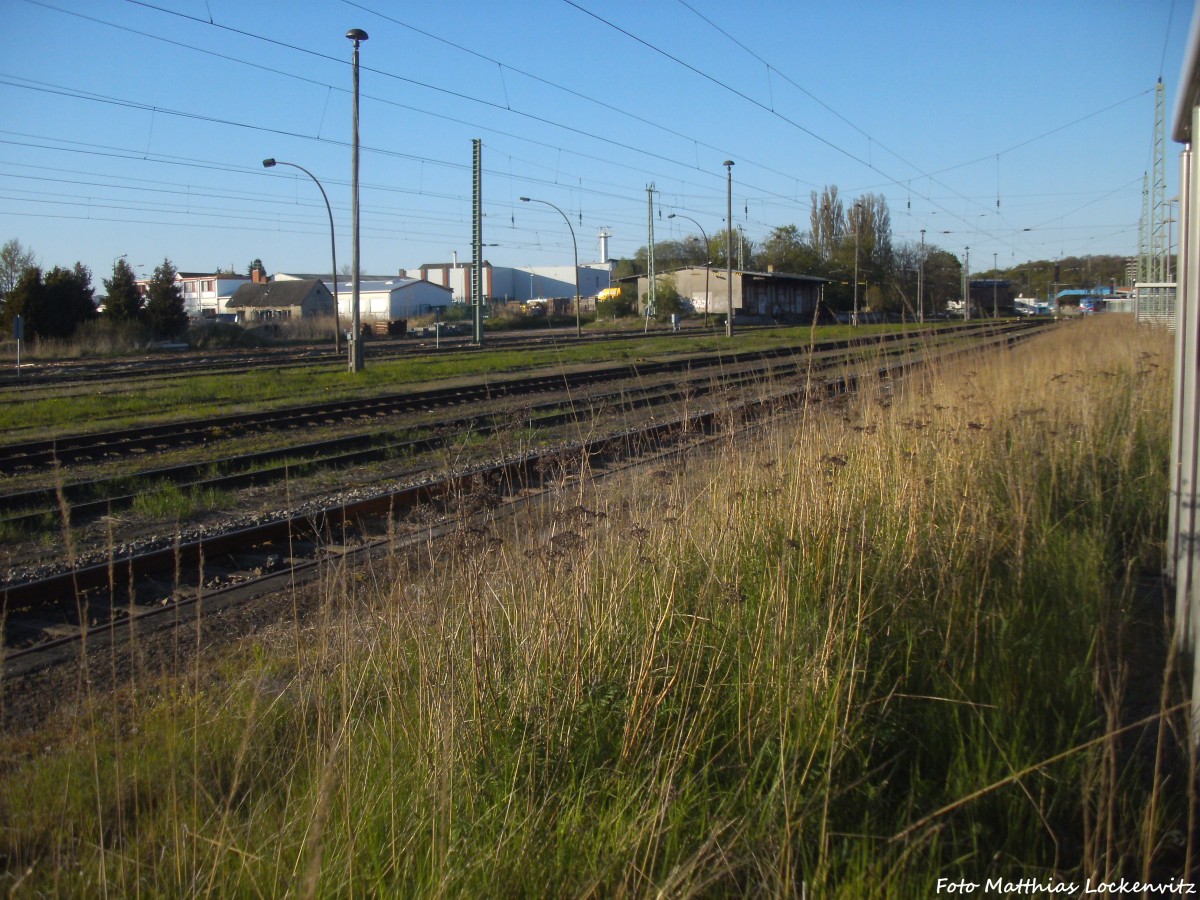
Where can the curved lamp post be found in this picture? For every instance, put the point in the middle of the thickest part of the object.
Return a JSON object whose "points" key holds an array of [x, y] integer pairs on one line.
{"points": [[356, 355], [578, 325], [707, 261], [728, 164], [337, 319]]}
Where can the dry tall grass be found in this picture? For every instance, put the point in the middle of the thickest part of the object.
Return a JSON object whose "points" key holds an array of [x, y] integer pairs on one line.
{"points": [[898, 639]]}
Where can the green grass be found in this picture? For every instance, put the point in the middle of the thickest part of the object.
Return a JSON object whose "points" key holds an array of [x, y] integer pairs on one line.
{"points": [[168, 502], [882, 645], [133, 402]]}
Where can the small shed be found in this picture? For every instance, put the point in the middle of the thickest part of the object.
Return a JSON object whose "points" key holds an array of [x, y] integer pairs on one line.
{"points": [[281, 300]]}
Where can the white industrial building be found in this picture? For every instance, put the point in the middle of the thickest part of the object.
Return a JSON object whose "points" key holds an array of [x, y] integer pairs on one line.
{"points": [[520, 283], [517, 283]]}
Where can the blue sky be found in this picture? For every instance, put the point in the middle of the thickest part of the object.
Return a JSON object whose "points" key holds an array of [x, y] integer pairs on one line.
{"points": [[139, 127]]}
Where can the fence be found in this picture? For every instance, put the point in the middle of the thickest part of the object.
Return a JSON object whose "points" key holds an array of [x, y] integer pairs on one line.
{"points": [[1154, 304]]}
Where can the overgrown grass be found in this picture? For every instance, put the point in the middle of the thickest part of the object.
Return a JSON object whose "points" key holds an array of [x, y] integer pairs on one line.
{"points": [[168, 502], [833, 658]]}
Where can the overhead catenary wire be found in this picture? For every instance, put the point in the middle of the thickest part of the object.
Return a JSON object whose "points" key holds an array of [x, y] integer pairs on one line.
{"points": [[767, 207]]}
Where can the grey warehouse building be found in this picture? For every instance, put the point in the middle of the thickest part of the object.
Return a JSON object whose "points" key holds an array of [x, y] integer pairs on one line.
{"points": [[769, 294]]}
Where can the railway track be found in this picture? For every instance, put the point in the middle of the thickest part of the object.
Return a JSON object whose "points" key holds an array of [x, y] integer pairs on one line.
{"points": [[53, 612], [48, 377], [27, 509], [90, 446]]}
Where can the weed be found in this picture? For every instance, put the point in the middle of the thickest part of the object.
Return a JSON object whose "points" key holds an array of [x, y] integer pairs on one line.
{"points": [[843, 659]]}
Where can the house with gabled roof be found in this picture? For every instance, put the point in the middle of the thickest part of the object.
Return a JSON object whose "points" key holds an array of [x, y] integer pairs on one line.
{"points": [[264, 301]]}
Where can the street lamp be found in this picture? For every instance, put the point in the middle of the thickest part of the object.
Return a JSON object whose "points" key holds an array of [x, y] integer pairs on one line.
{"points": [[337, 320], [728, 164], [356, 356], [707, 261], [578, 326]]}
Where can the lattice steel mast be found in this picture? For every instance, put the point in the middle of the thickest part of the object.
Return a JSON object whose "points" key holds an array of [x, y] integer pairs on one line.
{"points": [[477, 238], [1152, 237]]}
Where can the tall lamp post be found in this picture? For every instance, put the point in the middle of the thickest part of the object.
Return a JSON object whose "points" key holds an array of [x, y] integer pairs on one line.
{"points": [[707, 260], [578, 325], [356, 355], [337, 319], [728, 164]]}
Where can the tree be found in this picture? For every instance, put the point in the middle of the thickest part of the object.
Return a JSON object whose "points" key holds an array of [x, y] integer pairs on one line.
{"points": [[165, 313], [14, 260], [124, 301], [869, 228], [787, 250], [667, 299], [900, 286], [943, 279], [624, 268], [671, 254], [70, 300], [828, 218], [53, 306], [27, 299], [614, 307], [742, 249]]}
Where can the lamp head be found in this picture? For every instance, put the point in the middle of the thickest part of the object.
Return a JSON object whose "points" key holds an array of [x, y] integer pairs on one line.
{"points": [[268, 163], [727, 163], [524, 199], [357, 35]]}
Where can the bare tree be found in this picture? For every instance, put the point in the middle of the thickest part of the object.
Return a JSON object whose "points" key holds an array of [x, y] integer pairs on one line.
{"points": [[14, 259], [828, 219]]}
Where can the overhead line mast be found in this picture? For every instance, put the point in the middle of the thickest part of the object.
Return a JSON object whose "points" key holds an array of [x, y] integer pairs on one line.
{"points": [[477, 238], [1152, 230], [651, 294]]}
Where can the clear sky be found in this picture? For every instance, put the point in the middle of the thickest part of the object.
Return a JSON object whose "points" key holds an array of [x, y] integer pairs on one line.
{"points": [[138, 127]]}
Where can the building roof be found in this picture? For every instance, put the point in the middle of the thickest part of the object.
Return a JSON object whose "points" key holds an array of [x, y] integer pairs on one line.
{"points": [[389, 284], [273, 293], [782, 276]]}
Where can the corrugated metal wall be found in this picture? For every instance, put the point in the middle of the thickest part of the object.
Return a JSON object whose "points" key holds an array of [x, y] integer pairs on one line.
{"points": [[1183, 548]]}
